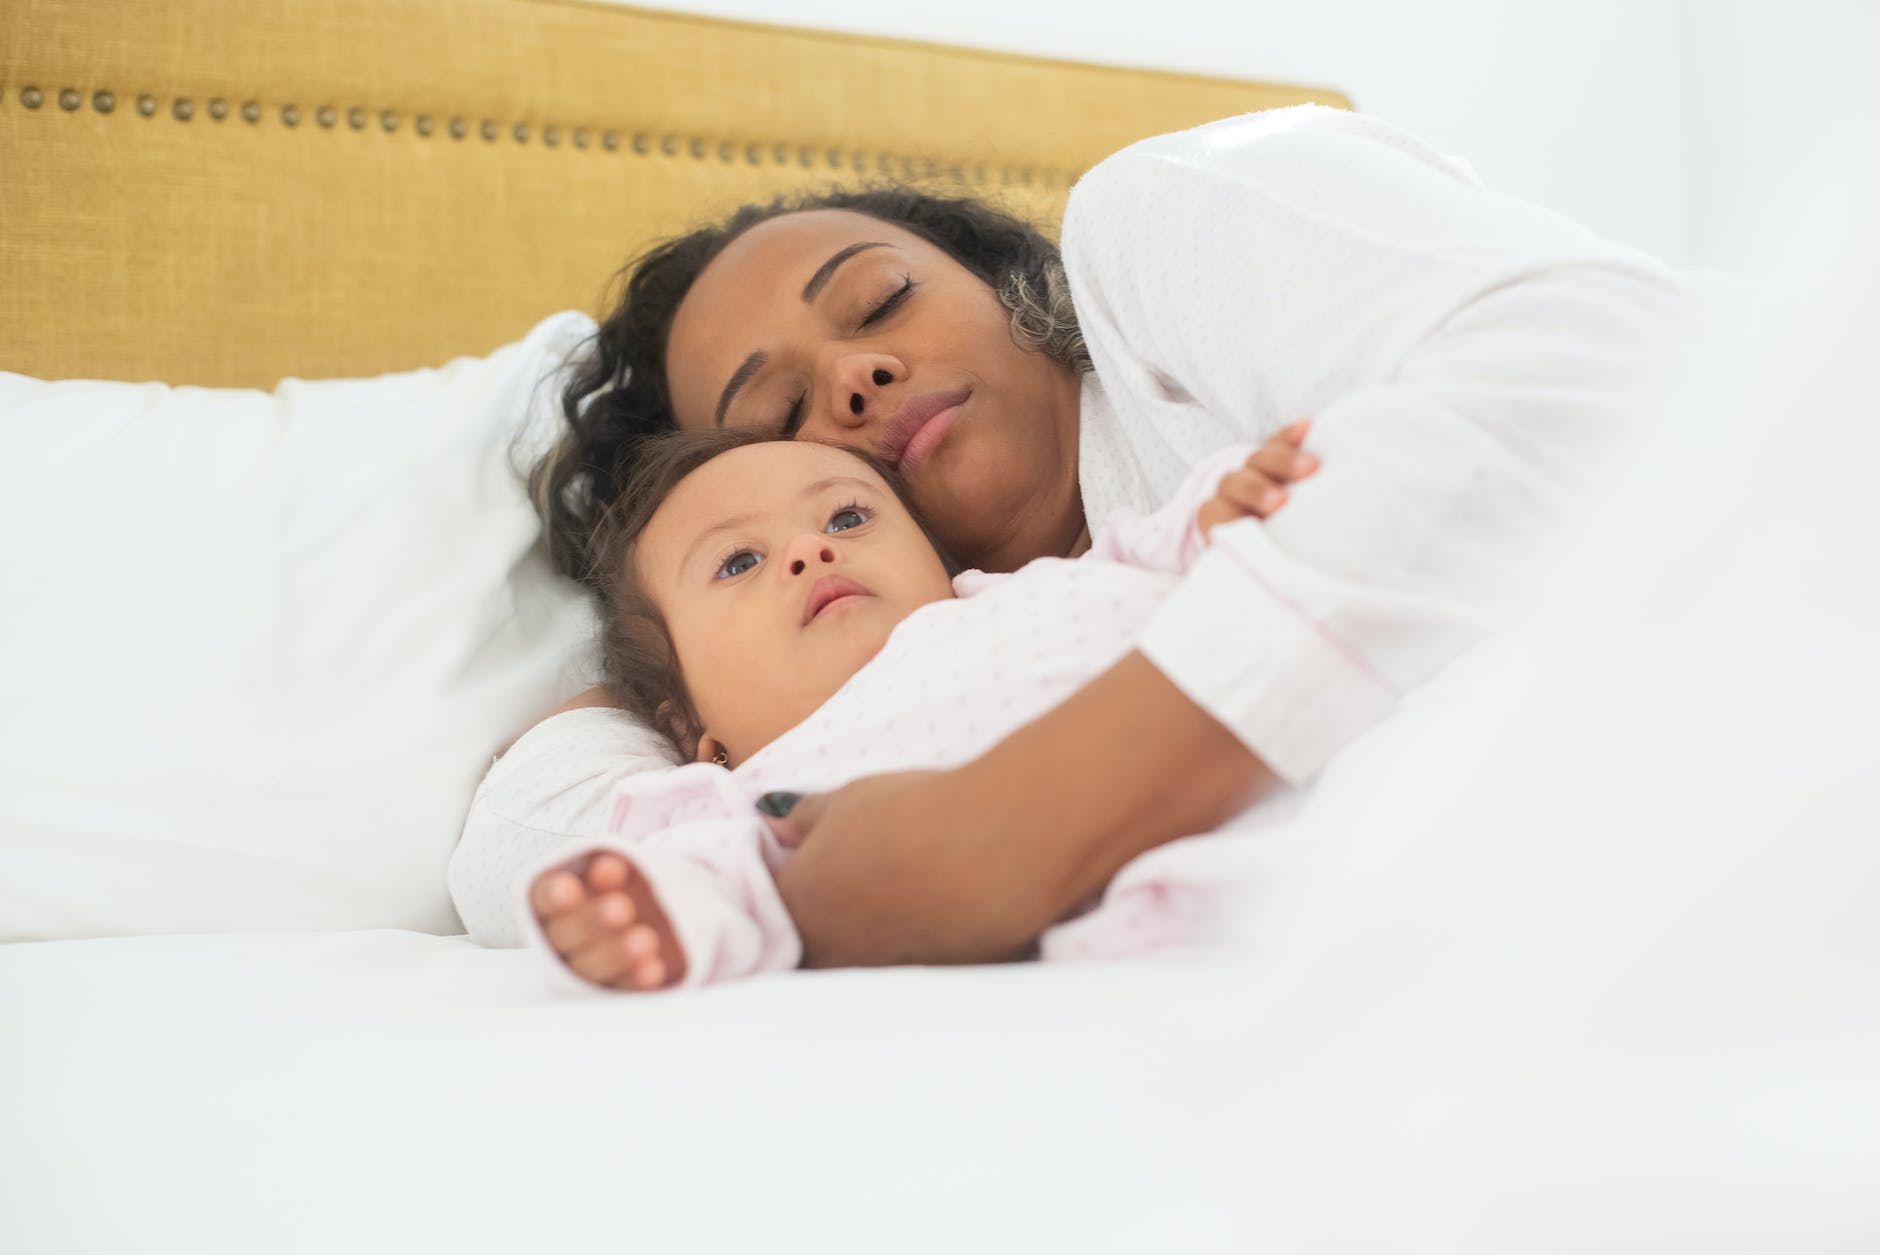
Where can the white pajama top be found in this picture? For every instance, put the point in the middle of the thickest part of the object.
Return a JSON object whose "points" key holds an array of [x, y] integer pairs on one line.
{"points": [[1473, 365]]}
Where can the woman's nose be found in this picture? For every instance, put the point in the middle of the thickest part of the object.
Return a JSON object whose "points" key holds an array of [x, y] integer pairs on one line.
{"points": [[807, 552], [858, 388]]}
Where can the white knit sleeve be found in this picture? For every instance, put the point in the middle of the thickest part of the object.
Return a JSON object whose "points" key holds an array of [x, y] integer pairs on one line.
{"points": [[1474, 367], [551, 792]]}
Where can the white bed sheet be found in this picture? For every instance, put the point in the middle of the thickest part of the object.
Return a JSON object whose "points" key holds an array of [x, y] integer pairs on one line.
{"points": [[1576, 952], [392, 1091], [1435, 1037]]}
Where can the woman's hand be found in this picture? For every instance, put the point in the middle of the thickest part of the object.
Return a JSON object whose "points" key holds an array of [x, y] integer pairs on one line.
{"points": [[1258, 489], [889, 869], [971, 865]]}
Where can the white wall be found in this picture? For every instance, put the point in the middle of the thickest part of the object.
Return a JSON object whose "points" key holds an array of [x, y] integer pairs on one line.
{"points": [[1783, 129], [1574, 105], [1699, 130]]}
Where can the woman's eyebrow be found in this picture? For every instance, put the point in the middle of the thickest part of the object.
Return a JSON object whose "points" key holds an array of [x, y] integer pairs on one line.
{"points": [[821, 278], [755, 362]]}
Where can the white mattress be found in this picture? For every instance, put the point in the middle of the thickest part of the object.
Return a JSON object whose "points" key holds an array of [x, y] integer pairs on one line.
{"points": [[1445, 1032]]}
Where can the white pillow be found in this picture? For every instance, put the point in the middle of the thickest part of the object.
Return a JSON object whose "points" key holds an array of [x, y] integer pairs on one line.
{"points": [[259, 647]]}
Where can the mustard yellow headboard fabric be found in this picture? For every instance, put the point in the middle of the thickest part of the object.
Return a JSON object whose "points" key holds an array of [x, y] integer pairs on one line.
{"points": [[226, 192]]}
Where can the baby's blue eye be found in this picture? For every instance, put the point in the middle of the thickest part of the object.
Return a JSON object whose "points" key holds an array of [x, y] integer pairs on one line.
{"points": [[737, 564], [843, 520]]}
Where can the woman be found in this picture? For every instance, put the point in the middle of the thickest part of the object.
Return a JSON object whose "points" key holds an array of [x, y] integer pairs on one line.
{"points": [[1471, 363]]}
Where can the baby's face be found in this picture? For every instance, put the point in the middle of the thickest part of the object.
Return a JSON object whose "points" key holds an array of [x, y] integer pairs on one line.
{"points": [[781, 568]]}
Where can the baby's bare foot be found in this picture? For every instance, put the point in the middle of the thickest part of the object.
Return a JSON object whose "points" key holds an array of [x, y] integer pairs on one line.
{"points": [[607, 925]]}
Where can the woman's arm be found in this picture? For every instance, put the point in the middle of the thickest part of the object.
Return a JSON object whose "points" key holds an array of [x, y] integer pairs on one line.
{"points": [[1475, 367], [1470, 363], [972, 865]]}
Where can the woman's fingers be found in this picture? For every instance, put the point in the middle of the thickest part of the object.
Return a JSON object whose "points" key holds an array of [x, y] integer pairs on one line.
{"points": [[1253, 492], [1215, 513], [1283, 461]]}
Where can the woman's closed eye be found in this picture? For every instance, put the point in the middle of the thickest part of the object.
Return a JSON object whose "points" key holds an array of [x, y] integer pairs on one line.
{"points": [[891, 302], [793, 417]]}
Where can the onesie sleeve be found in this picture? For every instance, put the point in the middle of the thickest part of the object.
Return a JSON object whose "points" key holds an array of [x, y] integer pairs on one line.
{"points": [[694, 837], [1474, 366]]}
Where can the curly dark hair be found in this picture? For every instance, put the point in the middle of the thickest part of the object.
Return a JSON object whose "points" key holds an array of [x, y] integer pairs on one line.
{"points": [[639, 663], [617, 395]]}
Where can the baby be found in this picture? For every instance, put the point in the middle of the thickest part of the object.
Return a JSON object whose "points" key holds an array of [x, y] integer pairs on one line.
{"points": [[780, 615]]}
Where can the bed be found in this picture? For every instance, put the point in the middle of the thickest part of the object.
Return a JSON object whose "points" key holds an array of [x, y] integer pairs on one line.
{"points": [[269, 617]]}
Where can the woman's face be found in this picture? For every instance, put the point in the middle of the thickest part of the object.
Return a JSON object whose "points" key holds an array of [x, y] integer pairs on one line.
{"points": [[835, 326]]}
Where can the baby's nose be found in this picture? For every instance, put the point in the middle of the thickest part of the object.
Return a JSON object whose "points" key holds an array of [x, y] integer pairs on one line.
{"points": [[820, 553]]}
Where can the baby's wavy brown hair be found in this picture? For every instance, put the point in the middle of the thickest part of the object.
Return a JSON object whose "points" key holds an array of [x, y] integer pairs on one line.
{"points": [[639, 663]]}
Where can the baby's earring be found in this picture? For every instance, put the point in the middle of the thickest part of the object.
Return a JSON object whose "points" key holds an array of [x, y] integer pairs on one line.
{"points": [[712, 751]]}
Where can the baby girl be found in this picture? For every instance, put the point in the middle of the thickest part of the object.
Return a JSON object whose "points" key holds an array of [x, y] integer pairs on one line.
{"points": [[780, 615]]}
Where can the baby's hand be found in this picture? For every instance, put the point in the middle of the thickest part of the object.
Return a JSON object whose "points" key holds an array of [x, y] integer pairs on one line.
{"points": [[1258, 489], [607, 925]]}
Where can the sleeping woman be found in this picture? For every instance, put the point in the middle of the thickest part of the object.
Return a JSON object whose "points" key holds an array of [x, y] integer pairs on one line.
{"points": [[774, 607], [1473, 366]]}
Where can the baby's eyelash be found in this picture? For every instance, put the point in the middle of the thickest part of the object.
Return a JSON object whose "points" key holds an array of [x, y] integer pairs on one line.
{"points": [[718, 570], [855, 506]]}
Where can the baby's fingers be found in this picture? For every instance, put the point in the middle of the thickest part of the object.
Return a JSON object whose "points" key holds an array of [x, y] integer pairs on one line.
{"points": [[606, 961], [605, 916], [556, 892], [629, 961], [607, 873]]}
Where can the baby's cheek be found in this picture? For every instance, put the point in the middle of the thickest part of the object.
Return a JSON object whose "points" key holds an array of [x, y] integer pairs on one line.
{"points": [[727, 680]]}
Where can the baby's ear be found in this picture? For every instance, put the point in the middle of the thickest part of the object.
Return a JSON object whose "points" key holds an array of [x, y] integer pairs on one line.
{"points": [[710, 751]]}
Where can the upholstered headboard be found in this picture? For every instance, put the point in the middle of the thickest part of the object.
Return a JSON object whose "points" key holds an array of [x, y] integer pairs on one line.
{"points": [[228, 191]]}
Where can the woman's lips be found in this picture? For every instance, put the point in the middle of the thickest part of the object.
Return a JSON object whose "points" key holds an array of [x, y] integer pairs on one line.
{"points": [[900, 432], [928, 438], [830, 588]]}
